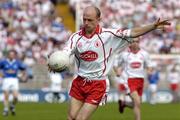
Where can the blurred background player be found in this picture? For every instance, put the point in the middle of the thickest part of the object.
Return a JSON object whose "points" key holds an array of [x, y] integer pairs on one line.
{"points": [[10, 67], [135, 61], [123, 89], [56, 85], [173, 78], [153, 78]]}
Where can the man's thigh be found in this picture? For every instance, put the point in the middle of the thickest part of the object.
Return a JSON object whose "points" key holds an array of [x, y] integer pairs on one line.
{"points": [[74, 107], [135, 96]]}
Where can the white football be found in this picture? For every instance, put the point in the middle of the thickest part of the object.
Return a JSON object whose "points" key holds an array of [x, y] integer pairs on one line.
{"points": [[58, 60]]}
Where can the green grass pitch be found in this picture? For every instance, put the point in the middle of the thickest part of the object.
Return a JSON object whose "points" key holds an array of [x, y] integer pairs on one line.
{"points": [[47, 111]]}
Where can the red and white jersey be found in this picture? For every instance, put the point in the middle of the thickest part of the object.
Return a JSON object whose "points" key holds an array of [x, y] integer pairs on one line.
{"points": [[134, 64], [173, 77], [94, 55]]}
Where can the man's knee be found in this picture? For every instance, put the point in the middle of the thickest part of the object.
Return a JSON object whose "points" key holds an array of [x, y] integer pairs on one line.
{"points": [[71, 117], [137, 104], [6, 96], [15, 98], [81, 117]]}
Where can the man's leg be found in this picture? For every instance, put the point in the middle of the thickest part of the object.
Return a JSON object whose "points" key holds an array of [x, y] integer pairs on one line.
{"points": [[137, 102], [14, 102], [152, 90], [86, 111], [74, 107], [56, 96], [6, 102], [126, 102]]}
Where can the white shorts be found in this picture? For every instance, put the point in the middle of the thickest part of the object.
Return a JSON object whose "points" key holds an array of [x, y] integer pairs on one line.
{"points": [[56, 82], [153, 87], [10, 84], [56, 87]]}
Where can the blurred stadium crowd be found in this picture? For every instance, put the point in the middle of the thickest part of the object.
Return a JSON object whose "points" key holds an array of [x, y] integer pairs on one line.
{"points": [[133, 13], [33, 28], [164, 47]]}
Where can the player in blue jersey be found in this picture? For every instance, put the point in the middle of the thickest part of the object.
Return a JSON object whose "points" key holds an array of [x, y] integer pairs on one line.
{"points": [[153, 78], [10, 67]]}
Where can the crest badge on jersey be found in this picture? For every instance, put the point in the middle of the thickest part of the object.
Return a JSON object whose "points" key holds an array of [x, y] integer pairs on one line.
{"points": [[97, 44], [141, 58], [79, 45]]}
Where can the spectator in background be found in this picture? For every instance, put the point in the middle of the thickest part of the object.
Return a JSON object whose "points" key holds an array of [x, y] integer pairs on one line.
{"points": [[173, 78], [23, 23], [165, 48], [175, 46], [153, 79], [1, 77], [56, 85], [29, 61], [10, 68]]}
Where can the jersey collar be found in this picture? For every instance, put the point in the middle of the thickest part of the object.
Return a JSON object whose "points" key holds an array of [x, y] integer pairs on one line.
{"points": [[97, 31], [11, 61], [133, 51]]}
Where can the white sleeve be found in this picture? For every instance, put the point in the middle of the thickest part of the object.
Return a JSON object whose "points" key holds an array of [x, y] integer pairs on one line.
{"points": [[120, 39], [123, 33], [70, 45], [116, 61], [148, 62], [121, 58]]}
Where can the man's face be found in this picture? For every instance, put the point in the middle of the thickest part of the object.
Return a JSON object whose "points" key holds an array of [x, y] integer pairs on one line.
{"points": [[90, 20], [135, 43], [12, 55]]}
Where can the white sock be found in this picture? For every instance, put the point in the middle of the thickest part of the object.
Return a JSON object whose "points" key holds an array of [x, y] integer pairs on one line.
{"points": [[5, 108]]}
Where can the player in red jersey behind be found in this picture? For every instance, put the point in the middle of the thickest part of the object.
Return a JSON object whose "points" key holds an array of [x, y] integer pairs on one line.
{"points": [[136, 61]]}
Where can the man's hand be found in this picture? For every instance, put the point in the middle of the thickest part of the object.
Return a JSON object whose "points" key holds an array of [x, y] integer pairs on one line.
{"points": [[139, 31], [60, 70], [161, 24], [52, 70]]}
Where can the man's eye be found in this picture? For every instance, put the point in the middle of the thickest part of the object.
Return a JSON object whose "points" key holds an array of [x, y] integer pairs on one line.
{"points": [[87, 19]]}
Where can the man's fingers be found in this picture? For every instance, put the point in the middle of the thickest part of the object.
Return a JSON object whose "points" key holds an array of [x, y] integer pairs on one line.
{"points": [[165, 22], [168, 23], [51, 70], [158, 20], [161, 24]]}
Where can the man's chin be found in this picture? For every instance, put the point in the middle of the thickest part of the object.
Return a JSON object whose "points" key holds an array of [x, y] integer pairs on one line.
{"points": [[87, 27]]}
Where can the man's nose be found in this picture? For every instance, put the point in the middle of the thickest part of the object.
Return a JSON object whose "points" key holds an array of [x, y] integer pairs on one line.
{"points": [[86, 22]]}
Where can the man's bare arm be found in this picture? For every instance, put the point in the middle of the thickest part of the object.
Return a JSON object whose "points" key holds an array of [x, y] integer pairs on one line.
{"points": [[139, 31]]}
